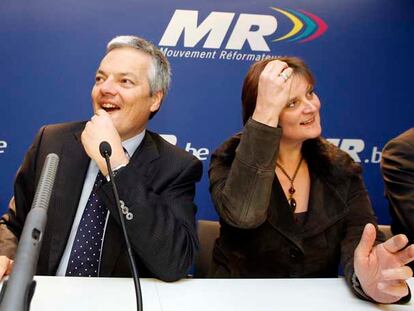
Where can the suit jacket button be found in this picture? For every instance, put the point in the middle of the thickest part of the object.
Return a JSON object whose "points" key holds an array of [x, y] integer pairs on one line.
{"points": [[294, 253]]}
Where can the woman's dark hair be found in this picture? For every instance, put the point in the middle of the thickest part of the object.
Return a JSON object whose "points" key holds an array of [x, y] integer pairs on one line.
{"points": [[251, 81], [325, 159]]}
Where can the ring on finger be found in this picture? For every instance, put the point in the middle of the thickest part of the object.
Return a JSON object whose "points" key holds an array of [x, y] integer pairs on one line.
{"points": [[284, 75]]}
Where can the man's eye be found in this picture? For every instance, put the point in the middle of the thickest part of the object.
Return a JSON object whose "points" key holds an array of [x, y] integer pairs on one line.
{"points": [[127, 81], [98, 79]]}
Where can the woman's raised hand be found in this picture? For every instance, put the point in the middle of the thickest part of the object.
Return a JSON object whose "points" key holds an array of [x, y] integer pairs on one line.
{"points": [[273, 92]]}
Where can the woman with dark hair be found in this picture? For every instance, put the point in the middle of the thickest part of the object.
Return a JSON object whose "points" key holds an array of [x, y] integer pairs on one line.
{"points": [[290, 203]]}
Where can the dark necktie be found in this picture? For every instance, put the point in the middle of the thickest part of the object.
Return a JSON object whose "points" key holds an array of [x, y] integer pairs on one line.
{"points": [[86, 249]]}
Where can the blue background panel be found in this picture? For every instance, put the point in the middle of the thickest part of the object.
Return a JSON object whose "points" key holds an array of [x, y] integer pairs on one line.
{"points": [[362, 63]]}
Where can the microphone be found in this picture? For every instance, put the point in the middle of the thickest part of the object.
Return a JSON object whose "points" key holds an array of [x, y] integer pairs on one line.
{"points": [[106, 151], [18, 291]]}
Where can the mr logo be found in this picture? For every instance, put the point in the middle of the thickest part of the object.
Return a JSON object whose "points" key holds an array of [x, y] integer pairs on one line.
{"points": [[252, 28], [216, 26]]}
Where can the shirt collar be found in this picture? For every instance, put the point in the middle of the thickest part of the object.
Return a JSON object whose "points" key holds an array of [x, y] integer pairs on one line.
{"points": [[132, 144]]}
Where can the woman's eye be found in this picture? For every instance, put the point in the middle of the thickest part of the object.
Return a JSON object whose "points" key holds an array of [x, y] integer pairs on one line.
{"points": [[310, 93], [291, 104]]}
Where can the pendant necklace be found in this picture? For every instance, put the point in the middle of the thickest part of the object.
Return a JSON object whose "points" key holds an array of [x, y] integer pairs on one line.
{"points": [[291, 200]]}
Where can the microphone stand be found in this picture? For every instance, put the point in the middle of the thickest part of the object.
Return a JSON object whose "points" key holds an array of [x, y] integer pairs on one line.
{"points": [[106, 150], [17, 293]]}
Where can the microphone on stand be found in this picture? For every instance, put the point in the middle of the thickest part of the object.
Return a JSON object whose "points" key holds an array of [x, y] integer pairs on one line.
{"points": [[106, 151], [17, 292]]}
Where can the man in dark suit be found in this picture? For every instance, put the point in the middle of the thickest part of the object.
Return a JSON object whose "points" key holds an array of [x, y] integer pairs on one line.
{"points": [[398, 171], [156, 180]]}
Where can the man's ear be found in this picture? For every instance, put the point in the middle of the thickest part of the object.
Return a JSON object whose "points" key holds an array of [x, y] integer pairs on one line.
{"points": [[156, 101]]}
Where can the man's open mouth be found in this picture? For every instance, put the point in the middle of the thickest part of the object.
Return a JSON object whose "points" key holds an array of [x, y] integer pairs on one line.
{"points": [[109, 107]]}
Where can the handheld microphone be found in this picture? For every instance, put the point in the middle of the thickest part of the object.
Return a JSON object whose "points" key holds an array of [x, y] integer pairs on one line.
{"points": [[106, 151], [18, 291]]}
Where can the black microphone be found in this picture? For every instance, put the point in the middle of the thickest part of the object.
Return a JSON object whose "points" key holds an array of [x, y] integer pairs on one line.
{"points": [[106, 151], [18, 291]]}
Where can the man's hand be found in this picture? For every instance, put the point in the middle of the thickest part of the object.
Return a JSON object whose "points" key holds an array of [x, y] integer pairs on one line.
{"points": [[273, 92], [6, 265], [381, 269], [100, 128]]}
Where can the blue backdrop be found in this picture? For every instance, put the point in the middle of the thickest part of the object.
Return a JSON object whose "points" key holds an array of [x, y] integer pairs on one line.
{"points": [[360, 53]]}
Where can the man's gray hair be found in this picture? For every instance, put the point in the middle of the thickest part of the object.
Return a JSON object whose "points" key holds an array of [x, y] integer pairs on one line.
{"points": [[159, 75]]}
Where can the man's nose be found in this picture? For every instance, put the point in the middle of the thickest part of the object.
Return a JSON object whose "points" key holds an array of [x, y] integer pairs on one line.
{"points": [[108, 86]]}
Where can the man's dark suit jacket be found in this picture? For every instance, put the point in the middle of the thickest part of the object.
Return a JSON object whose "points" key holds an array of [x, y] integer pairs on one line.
{"points": [[398, 171], [158, 186]]}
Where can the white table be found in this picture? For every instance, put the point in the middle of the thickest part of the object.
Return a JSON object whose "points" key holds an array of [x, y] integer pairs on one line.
{"points": [[60, 293]]}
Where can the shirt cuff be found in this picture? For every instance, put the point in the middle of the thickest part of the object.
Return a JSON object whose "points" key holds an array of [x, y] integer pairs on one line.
{"points": [[115, 171]]}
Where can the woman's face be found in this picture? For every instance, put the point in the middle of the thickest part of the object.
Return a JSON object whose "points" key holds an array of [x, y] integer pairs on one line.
{"points": [[300, 119]]}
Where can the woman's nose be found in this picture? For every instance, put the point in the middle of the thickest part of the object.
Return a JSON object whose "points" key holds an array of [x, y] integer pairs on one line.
{"points": [[310, 106]]}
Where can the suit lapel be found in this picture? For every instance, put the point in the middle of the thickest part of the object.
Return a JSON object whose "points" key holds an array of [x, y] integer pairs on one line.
{"points": [[143, 158], [68, 187], [142, 163]]}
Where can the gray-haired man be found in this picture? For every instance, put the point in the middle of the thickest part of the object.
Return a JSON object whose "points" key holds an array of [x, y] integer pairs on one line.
{"points": [[156, 180]]}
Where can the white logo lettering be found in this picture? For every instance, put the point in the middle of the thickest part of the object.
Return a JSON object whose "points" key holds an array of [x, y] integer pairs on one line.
{"points": [[351, 146], [265, 25], [201, 153], [376, 155], [215, 25], [249, 27], [3, 145]]}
